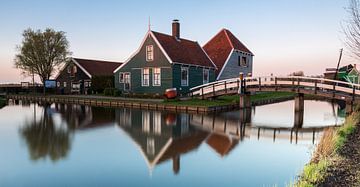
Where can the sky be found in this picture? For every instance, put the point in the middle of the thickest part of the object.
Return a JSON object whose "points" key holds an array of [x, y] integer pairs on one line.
{"points": [[284, 35]]}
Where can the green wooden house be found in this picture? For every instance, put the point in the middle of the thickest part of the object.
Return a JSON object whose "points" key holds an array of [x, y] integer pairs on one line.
{"points": [[349, 73], [163, 62]]}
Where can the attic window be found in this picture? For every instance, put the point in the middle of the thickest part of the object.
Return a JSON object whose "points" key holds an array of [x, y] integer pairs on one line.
{"points": [[149, 53], [242, 61]]}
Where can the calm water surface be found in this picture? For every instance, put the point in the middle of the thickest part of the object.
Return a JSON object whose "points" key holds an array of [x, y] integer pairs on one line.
{"points": [[73, 145]]}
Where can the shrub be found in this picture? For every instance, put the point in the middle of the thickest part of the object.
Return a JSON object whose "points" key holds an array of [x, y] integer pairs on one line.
{"points": [[109, 91], [117, 93]]}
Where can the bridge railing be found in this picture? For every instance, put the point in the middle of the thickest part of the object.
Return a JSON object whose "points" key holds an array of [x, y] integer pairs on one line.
{"points": [[294, 82]]}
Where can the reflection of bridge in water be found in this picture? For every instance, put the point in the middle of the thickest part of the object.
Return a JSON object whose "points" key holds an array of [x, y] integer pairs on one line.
{"points": [[241, 128], [161, 136]]}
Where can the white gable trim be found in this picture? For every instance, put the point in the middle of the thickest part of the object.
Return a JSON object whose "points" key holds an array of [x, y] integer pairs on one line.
{"points": [[226, 62], [161, 48], [82, 68], [149, 33], [134, 53], [76, 63]]}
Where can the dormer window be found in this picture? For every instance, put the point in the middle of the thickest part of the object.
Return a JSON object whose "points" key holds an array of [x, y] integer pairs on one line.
{"points": [[149, 53]]}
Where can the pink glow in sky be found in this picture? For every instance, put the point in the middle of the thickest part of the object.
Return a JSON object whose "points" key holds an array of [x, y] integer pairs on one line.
{"points": [[284, 35]]}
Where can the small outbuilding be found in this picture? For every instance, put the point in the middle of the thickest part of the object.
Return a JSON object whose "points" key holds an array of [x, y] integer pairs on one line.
{"points": [[80, 76]]}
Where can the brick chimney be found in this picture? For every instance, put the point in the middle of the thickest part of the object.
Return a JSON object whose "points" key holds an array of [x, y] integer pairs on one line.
{"points": [[176, 29]]}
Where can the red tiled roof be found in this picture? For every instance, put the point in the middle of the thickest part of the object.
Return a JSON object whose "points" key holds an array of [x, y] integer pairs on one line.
{"points": [[98, 67], [221, 144], [183, 50], [220, 46]]}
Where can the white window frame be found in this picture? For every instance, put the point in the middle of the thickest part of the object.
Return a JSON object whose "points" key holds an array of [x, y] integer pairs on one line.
{"points": [[149, 53], [58, 84], [150, 146], [146, 121], [142, 77], [208, 76], [157, 122], [187, 76], [65, 84], [121, 77], [125, 82], [153, 77]]}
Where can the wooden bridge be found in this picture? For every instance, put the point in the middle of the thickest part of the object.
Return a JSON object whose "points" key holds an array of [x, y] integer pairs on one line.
{"points": [[332, 89]]}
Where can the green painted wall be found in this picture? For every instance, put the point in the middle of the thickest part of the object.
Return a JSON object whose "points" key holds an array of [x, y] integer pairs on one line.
{"points": [[195, 77], [170, 73], [139, 61]]}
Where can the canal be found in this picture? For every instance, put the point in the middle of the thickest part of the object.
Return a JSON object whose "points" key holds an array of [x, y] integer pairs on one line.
{"points": [[74, 145]]}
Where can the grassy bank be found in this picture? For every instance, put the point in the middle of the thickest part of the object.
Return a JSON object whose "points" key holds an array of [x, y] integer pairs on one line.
{"points": [[327, 152], [228, 100]]}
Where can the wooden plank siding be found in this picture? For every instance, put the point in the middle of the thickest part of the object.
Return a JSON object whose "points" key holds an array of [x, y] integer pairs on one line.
{"points": [[138, 61], [170, 73]]}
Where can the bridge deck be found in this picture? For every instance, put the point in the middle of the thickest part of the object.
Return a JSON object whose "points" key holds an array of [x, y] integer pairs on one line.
{"points": [[317, 86]]}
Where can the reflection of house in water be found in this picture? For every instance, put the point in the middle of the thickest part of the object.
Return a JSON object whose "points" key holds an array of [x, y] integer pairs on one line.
{"points": [[160, 136], [85, 117]]}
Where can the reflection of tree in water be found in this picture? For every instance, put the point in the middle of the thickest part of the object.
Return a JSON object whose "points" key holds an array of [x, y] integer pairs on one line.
{"points": [[44, 139]]}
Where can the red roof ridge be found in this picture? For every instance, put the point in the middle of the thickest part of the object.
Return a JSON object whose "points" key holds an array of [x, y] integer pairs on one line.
{"points": [[228, 38], [180, 39], [95, 60]]}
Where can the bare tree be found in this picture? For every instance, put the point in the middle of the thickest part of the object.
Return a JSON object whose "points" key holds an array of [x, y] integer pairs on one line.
{"points": [[40, 53], [352, 29]]}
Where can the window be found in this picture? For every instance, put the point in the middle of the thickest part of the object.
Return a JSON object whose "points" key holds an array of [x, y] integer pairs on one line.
{"points": [[157, 122], [86, 84], [145, 77], [121, 77], [156, 76], [64, 84], [127, 81], [58, 84], [205, 76], [75, 86], [69, 69], [149, 53], [150, 148], [89, 84], [242, 61], [184, 76], [72, 70], [146, 121]]}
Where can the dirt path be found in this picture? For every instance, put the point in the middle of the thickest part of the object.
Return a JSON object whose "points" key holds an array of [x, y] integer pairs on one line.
{"points": [[346, 170]]}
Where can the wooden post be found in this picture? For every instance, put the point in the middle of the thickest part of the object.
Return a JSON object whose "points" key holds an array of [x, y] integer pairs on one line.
{"points": [[349, 107], [353, 94], [213, 89], [202, 93], [315, 87], [259, 84], [298, 85], [299, 111], [238, 84], [244, 101], [225, 88], [276, 84]]}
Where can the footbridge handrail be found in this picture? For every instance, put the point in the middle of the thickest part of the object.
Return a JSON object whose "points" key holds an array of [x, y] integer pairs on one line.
{"points": [[291, 83]]}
